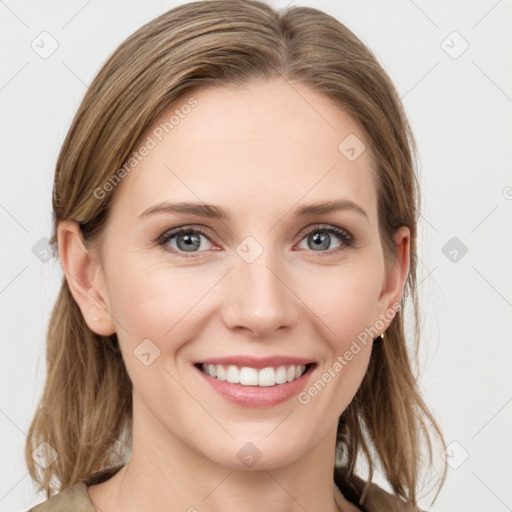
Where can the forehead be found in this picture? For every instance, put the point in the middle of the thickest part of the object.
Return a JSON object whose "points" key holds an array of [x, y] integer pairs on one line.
{"points": [[265, 146]]}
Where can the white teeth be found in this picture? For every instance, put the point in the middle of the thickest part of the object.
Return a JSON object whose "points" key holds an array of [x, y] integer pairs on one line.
{"points": [[251, 376], [233, 374], [281, 375], [267, 377], [248, 376], [221, 372]]}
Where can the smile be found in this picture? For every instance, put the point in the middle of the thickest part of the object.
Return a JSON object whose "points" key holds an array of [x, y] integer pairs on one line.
{"points": [[250, 381], [248, 376]]}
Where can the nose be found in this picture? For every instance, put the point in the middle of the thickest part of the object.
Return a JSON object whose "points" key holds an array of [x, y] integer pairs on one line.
{"points": [[258, 298]]}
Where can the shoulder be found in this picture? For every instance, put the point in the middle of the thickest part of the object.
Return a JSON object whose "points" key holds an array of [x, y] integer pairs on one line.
{"points": [[75, 498], [71, 499], [368, 496]]}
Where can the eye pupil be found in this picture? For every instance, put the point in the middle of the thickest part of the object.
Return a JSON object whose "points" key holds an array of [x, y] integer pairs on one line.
{"points": [[191, 241], [321, 240]]}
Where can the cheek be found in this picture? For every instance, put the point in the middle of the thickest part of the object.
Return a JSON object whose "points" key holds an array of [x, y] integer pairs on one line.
{"points": [[157, 302], [153, 309], [148, 296], [346, 310], [345, 300]]}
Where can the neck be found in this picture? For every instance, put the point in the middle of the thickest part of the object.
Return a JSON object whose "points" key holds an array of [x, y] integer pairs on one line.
{"points": [[164, 473]]}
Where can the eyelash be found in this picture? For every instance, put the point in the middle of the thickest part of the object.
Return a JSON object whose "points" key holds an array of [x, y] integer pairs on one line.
{"points": [[346, 238]]}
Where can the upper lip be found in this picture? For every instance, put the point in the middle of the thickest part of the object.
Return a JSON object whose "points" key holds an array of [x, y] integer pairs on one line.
{"points": [[257, 362]]}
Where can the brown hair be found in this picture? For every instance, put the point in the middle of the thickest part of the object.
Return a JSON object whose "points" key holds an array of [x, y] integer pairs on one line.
{"points": [[85, 409]]}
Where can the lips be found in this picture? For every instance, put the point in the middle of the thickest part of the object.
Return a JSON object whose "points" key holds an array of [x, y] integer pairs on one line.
{"points": [[256, 382]]}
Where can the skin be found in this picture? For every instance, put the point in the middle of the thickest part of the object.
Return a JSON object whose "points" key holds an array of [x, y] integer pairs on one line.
{"points": [[241, 149]]}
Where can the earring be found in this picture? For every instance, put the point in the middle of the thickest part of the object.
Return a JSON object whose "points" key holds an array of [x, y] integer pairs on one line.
{"points": [[382, 336]]}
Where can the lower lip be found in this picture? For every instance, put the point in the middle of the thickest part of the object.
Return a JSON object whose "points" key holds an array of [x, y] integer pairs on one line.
{"points": [[257, 396]]}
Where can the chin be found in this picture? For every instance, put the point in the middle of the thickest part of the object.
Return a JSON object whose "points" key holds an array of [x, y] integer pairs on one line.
{"points": [[258, 452]]}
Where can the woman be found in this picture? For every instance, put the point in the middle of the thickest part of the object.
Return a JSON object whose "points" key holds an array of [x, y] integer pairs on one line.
{"points": [[235, 213]]}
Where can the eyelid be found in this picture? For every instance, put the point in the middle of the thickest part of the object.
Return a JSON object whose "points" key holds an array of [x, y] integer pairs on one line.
{"points": [[164, 237], [342, 232]]}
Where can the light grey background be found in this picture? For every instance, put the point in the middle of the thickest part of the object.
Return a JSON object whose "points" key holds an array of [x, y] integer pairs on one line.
{"points": [[460, 107]]}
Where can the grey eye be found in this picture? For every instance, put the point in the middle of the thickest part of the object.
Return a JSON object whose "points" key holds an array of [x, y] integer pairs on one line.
{"points": [[186, 241], [321, 239]]}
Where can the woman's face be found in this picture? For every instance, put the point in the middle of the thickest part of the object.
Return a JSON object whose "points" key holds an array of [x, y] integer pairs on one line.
{"points": [[260, 281]]}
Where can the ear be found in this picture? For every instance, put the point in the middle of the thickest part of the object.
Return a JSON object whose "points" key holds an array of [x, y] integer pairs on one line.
{"points": [[84, 275], [394, 282]]}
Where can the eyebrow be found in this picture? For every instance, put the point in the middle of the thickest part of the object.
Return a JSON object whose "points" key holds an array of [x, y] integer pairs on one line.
{"points": [[216, 212]]}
